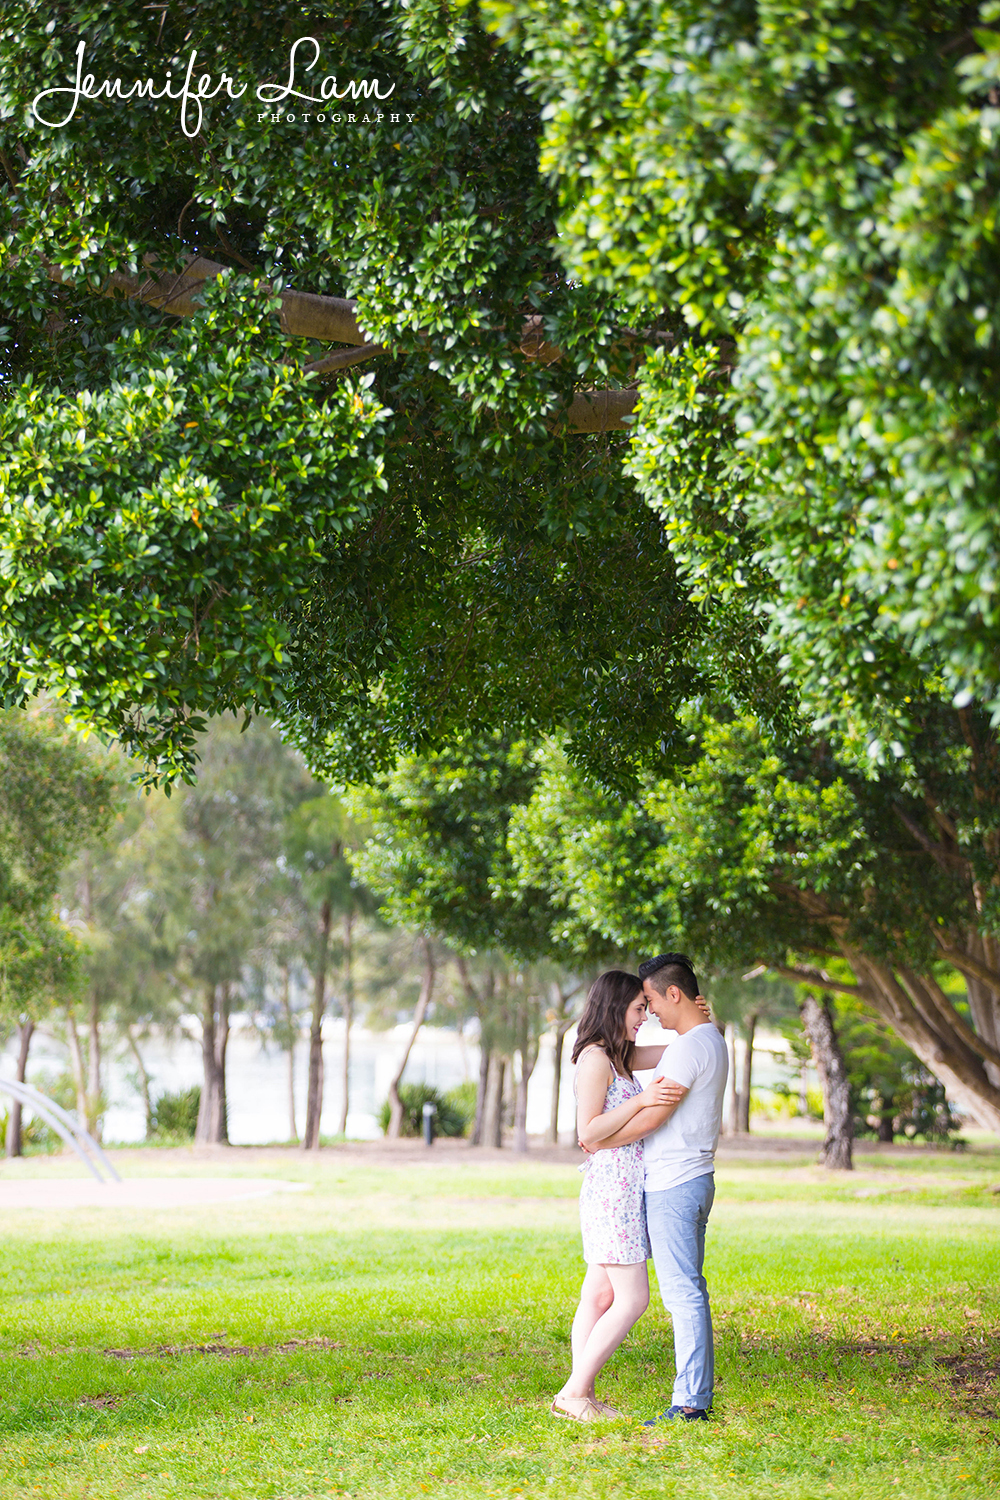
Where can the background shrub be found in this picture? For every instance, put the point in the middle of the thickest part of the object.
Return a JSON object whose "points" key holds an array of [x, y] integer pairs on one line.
{"points": [[453, 1113], [176, 1115]]}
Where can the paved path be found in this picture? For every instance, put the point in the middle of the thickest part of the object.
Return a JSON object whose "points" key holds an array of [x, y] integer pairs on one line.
{"points": [[142, 1192]]}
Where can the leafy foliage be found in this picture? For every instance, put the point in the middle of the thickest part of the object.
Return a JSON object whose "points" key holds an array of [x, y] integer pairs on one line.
{"points": [[376, 563], [54, 795], [176, 1115]]}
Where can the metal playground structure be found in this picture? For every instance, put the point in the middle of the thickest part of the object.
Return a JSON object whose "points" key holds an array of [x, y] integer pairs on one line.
{"points": [[64, 1124]]}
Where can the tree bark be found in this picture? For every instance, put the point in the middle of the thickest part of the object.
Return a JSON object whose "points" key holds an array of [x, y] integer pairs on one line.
{"points": [[94, 1065], [426, 991], [220, 1118], [314, 1092], [527, 1049], [920, 1013], [76, 1065], [211, 1109], [731, 1120], [348, 1016], [14, 1144], [558, 1042], [286, 1007], [562, 1024], [147, 1102], [481, 1005], [749, 1028], [476, 1138], [817, 1021], [493, 1105], [904, 1003]]}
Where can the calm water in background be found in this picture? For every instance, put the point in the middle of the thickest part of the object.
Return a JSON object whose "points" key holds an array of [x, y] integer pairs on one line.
{"points": [[257, 1077]]}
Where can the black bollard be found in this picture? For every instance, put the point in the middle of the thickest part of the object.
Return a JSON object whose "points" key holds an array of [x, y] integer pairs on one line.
{"points": [[430, 1110]]}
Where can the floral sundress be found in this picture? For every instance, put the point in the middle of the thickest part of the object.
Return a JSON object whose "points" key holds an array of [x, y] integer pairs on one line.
{"points": [[613, 1199]]}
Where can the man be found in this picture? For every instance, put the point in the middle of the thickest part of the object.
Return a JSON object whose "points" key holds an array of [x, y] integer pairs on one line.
{"points": [[679, 1159]]}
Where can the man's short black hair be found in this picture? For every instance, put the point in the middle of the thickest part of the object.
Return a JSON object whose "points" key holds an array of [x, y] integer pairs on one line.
{"points": [[668, 969]]}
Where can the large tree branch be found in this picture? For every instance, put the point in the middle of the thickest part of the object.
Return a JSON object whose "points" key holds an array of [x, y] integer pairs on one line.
{"points": [[946, 1013], [340, 359], [818, 977], [944, 857], [334, 320], [967, 964]]}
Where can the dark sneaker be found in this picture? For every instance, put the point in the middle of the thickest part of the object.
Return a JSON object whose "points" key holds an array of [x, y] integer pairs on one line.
{"points": [[698, 1415]]}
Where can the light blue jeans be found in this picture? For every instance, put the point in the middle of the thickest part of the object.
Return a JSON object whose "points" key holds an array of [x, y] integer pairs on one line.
{"points": [[676, 1219]]}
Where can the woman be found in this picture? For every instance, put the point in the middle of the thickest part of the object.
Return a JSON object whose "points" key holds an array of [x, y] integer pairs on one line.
{"points": [[615, 1291]]}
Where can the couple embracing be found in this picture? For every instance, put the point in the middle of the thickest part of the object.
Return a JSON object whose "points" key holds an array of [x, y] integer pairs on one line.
{"points": [[650, 1177]]}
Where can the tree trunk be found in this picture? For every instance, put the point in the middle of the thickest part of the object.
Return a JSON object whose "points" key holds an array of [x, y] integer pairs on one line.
{"points": [[147, 1102], [493, 1106], [314, 1092], [426, 991], [885, 1118], [76, 1066], [907, 1003], [220, 1116], [983, 997], [557, 1061], [480, 1005], [476, 1139], [348, 1017], [286, 1007], [207, 1110], [817, 1021], [562, 1023], [14, 1144], [749, 1028], [94, 1066], [731, 1121], [527, 1049], [804, 1092]]}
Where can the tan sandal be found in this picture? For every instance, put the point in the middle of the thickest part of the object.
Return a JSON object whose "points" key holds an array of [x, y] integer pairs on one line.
{"points": [[610, 1412], [588, 1413]]}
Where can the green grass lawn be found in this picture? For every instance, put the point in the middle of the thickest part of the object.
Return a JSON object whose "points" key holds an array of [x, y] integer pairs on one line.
{"points": [[399, 1331]]}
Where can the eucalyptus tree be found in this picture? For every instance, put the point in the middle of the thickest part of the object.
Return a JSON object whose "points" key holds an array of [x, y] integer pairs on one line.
{"points": [[118, 909], [217, 856], [55, 794], [321, 914], [438, 854]]}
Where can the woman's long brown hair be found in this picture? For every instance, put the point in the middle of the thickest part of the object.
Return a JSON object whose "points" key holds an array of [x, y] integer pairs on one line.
{"points": [[603, 1019]]}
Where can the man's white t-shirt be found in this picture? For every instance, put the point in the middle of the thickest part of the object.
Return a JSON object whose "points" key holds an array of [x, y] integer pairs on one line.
{"points": [[684, 1146]]}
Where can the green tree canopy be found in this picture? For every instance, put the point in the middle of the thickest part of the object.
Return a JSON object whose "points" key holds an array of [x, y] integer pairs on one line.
{"points": [[54, 796], [199, 523], [769, 853]]}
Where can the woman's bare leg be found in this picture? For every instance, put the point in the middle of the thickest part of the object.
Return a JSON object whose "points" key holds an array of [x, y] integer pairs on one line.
{"points": [[596, 1296], [591, 1351]]}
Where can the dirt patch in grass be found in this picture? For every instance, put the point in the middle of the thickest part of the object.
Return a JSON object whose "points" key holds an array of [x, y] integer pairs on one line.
{"points": [[107, 1401], [969, 1379], [975, 1380], [223, 1351]]}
